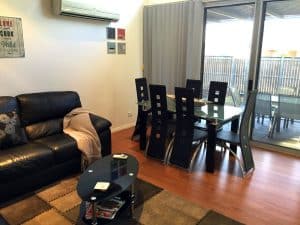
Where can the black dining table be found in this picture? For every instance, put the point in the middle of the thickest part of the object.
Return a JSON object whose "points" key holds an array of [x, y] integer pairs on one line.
{"points": [[215, 115]]}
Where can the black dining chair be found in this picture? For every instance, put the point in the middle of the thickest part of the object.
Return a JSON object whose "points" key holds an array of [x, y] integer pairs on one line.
{"points": [[196, 85], [242, 138], [187, 141], [217, 95], [162, 128], [142, 115], [217, 92]]}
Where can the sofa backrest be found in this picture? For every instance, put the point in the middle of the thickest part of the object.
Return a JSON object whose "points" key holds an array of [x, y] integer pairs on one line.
{"points": [[42, 113]]}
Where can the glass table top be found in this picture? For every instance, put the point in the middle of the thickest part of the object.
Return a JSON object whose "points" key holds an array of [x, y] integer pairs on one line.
{"points": [[121, 173], [204, 110]]}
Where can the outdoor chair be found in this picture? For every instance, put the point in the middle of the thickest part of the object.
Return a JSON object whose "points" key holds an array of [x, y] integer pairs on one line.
{"points": [[236, 98], [187, 141], [162, 128], [288, 109], [263, 107], [242, 138]]}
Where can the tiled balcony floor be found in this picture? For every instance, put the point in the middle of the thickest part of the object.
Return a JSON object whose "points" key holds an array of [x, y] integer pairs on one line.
{"points": [[287, 137]]}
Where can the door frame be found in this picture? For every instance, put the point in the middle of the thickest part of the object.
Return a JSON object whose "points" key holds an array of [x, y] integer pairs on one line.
{"points": [[255, 52]]}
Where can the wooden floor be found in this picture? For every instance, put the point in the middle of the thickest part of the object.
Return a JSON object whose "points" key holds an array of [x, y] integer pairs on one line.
{"points": [[271, 196]]}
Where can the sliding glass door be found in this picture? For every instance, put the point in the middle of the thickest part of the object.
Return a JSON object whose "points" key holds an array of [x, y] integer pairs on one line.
{"points": [[228, 38], [259, 41], [277, 114]]}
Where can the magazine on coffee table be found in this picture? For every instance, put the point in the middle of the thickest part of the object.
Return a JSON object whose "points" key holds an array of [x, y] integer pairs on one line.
{"points": [[109, 208]]}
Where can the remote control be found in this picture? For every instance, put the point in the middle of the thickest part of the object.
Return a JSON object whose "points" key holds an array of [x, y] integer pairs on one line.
{"points": [[120, 156]]}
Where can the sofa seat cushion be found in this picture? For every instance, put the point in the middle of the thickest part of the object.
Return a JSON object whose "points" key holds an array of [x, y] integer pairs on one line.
{"points": [[63, 146], [24, 160]]}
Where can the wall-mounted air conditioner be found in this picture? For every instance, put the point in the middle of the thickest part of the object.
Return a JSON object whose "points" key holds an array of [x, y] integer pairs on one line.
{"points": [[97, 9]]}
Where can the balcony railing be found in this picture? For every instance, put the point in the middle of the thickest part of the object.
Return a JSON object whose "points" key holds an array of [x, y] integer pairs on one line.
{"points": [[278, 75]]}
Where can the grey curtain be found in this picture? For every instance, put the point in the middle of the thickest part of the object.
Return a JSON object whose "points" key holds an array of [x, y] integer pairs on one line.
{"points": [[172, 38]]}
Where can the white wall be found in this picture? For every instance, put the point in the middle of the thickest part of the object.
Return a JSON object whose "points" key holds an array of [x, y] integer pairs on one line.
{"points": [[64, 53]]}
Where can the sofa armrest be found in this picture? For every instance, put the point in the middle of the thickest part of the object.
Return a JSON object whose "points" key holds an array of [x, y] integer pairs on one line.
{"points": [[102, 126]]}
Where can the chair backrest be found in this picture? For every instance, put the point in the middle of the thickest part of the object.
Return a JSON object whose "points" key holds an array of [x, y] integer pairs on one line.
{"points": [[158, 97], [236, 98], [196, 85], [141, 89], [184, 103], [289, 106], [217, 92], [156, 146], [245, 131], [184, 131], [263, 104]]}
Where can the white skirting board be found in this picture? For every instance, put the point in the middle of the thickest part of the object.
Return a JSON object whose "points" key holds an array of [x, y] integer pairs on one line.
{"points": [[123, 127]]}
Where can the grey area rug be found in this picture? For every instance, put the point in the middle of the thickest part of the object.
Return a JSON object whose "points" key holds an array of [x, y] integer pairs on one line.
{"points": [[59, 204]]}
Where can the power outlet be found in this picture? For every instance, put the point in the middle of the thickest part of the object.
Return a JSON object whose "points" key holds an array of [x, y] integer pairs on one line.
{"points": [[129, 114]]}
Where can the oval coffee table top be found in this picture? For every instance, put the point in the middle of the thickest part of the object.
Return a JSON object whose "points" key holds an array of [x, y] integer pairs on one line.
{"points": [[121, 173]]}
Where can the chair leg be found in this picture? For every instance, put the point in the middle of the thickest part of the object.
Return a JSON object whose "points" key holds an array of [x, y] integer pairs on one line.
{"points": [[272, 127], [169, 152], [278, 124], [241, 164], [194, 156], [135, 134], [147, 147], [239, 161], [223, 146], [246, 174]]}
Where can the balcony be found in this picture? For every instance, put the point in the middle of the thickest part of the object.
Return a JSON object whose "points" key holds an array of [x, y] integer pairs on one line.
{"points": [[279, 76]]}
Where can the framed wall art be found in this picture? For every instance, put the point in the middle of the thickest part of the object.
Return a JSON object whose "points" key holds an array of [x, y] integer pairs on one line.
{"points": [[121, 33], [11, 37], [111, 47], [110, 33], [121, 48]]}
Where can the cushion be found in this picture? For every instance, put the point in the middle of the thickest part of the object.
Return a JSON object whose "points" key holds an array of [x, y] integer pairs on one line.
{"points": [[11, 133], [39, 107], [62, 145], [45, 128], [8, 104], [24, 160]]}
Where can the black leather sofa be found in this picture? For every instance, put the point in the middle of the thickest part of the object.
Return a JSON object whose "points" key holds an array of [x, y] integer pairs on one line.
{"points": [[43, 153]]}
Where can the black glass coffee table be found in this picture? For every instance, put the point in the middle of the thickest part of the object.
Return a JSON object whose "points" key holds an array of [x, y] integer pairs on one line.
{"points": [[121, 173]]}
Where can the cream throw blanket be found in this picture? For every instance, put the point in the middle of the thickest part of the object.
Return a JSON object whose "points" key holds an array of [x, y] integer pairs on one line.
{"points": [[78, 125]]}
